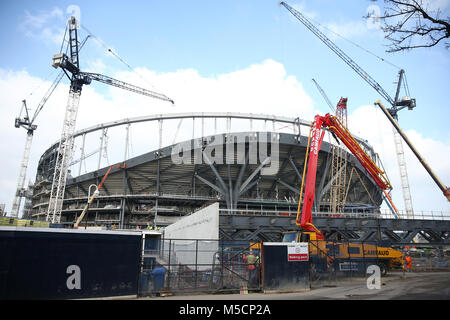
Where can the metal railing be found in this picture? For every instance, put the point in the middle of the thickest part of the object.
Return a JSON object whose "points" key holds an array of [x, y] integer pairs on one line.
{"points": [[357, 213]]}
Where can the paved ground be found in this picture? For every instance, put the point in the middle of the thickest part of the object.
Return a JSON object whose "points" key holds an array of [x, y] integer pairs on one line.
{"points": [[434, 286]]}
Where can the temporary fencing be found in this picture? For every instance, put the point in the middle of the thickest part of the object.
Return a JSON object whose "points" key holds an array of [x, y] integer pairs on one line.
{"points": [[200, 266]]}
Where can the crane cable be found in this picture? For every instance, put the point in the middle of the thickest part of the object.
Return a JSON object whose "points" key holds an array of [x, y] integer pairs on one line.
{"points": [[355, 44], [103, 44], [41, 84]]}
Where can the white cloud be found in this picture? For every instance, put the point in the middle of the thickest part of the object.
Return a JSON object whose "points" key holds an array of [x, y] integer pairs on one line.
{"points": [[40, 19], [370, 123], [260, 88], [301, 7], [348, 29], [44, 25], [332, 29], [436, 4]]}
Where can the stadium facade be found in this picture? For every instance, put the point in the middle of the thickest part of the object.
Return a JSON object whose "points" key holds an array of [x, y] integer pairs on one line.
{"points": [[156, 189]]}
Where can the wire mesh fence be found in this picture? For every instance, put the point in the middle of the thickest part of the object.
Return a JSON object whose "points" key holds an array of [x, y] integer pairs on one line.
{"points": [[184, 266], [177, 266], [332, 262]]}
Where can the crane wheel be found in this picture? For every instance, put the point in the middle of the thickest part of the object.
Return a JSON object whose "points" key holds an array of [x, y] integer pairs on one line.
{"points": [[383, 268]]}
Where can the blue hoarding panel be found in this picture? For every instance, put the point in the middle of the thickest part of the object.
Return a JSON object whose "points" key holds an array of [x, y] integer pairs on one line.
{"points": [[68, 264]]}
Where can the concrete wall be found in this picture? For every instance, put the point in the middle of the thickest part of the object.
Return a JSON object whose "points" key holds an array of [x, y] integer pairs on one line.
{"points": [[193, 239], [203, 224]]}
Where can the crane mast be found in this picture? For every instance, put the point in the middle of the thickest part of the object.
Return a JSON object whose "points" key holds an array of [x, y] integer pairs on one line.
{"points": [[77, 80], [404, 181], [28, 124], [20, 190], [63, 158]]}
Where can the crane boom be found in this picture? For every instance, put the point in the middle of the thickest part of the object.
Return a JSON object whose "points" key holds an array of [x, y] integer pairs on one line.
{"points": [[317, 133], [126, 86], [325, 97], [340, 53], [441, 186]]}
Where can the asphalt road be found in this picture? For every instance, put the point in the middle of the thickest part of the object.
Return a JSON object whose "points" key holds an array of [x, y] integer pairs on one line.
{"points": [[423, 286]]}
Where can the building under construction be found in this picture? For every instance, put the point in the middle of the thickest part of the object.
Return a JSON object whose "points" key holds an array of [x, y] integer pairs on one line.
{"points": [[152, 189]]}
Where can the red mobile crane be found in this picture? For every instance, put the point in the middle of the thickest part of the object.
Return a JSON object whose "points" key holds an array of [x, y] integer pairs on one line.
{"points": [[314, 144], [386, 258]]}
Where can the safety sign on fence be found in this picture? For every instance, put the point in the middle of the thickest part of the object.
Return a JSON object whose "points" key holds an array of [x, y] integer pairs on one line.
{"points": [[298, 251]]}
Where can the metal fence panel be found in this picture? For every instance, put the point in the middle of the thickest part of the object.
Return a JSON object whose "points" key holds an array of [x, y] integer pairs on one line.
{"points": [[67, 264], [222, 266], [201, 266], [280, 274]]}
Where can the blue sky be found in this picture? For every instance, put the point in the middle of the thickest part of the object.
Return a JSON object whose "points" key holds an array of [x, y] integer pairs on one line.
{"points": [[216, 38]]}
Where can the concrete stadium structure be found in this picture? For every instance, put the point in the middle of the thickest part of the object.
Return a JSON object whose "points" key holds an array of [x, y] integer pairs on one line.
{"points": [[154, 190]]}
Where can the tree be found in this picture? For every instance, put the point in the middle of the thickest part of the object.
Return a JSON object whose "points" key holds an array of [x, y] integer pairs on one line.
{"points": [[411, 24]]}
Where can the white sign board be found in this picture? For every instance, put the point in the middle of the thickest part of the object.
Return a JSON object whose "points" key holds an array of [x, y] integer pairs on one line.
{"points": [[298, 251]]}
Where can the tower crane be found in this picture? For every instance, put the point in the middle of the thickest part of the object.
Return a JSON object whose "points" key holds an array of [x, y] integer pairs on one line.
{"points": [[70, 65], [396, 105], [30, 127]]}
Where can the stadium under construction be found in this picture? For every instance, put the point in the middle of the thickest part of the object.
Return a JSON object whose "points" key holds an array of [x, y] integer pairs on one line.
{"points": [[154, 190], [210, 201]]}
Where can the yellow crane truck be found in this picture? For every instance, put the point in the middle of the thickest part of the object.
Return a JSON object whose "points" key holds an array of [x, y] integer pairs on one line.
{"points": [[345, 256]]}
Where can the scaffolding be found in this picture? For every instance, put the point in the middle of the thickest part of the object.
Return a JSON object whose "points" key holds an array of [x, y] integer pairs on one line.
{"points": [[338, 172]]}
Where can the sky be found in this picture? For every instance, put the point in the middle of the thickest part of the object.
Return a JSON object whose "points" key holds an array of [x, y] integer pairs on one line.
{"points": [[248, 56]]}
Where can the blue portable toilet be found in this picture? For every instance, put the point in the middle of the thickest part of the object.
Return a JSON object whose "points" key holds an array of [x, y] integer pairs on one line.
{"points": [[158, 278]]}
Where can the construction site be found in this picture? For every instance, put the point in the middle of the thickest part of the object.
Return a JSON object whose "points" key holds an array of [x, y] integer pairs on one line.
{"points": [[223, 202]]}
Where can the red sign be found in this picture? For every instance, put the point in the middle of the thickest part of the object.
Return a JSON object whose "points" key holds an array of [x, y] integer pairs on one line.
{"points": [[298, 251]]}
